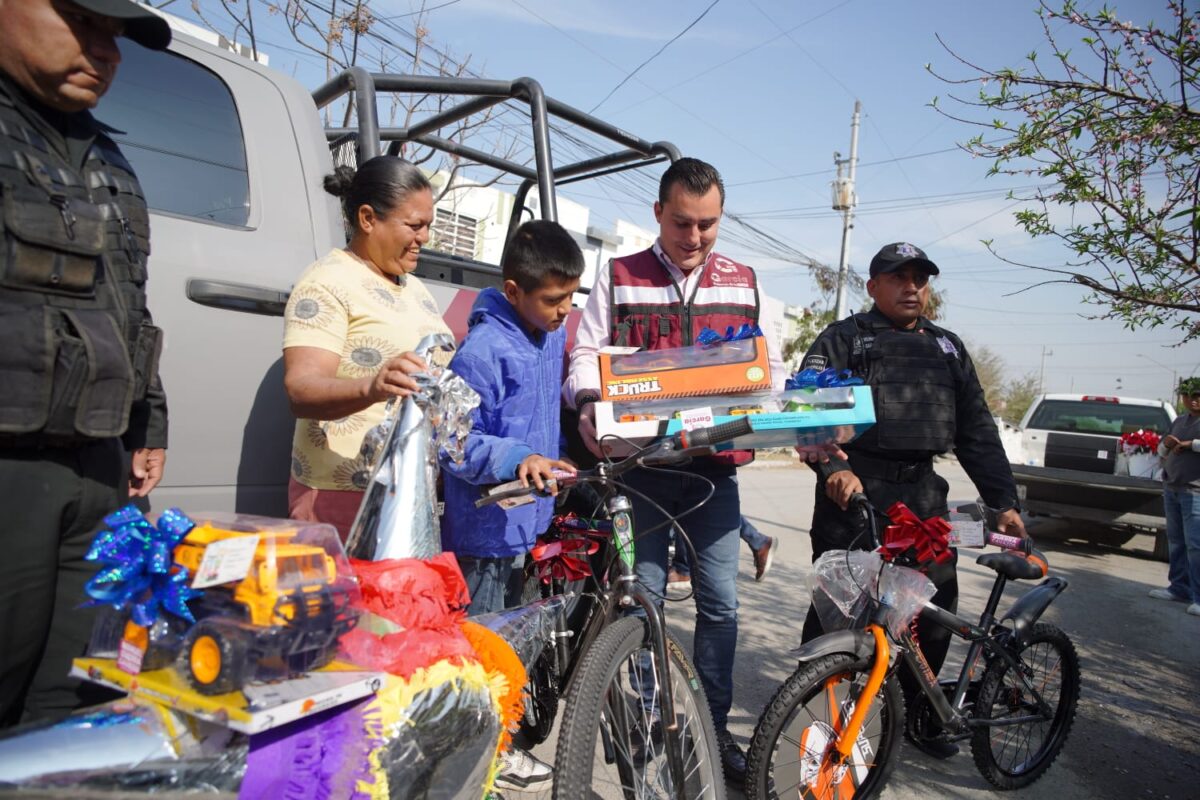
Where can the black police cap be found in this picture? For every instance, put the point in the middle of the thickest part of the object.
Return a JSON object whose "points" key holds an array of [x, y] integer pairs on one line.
{"points": [[892, 257]]}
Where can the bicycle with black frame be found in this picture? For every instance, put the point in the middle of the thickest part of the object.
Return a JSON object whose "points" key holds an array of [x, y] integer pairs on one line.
{"points": [[832, 730], [636, 723]]}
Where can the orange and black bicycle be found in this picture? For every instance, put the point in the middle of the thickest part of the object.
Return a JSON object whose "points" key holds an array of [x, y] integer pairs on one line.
{"points": [[832, 731]]}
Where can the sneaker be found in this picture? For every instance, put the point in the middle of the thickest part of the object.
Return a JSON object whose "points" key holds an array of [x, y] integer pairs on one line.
{"points": [[733, 758], [937, 748], [1166, 594], [763, 557], [678, 580], [520, 770], [1194, 609]]}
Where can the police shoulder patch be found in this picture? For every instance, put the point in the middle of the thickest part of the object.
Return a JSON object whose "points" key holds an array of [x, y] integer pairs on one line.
{"points": [[816, 362], [947, 346]]}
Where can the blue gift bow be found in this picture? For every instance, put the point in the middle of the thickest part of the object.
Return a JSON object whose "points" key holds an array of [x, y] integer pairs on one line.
{"points": [[140, 571], [708, 337], [825, 379]]}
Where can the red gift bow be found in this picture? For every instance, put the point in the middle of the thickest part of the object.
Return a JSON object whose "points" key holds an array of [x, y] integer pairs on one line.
{"points": [[929, 538], [564, 559]]}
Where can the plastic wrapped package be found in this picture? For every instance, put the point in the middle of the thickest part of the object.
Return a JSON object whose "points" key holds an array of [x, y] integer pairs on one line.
{"points": [[126, 745], [398, 516], [252, 643], [431, 737], [842, 582], [527, 628], [806, 416], [268, 600]]}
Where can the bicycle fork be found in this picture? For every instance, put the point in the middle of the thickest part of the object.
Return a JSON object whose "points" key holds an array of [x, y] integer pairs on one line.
{"points": [[848, 737], [620, 509]]}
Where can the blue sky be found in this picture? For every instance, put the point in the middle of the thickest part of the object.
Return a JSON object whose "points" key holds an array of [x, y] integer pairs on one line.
{"points": [[765, 89]]}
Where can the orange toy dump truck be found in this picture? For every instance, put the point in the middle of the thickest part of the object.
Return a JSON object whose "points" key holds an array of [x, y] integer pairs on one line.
{"points": [[283, 618]]}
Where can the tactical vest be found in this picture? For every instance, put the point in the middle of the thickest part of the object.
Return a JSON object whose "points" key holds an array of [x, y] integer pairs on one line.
{"points": [[79, 348], [914, 388], [648, 309]]}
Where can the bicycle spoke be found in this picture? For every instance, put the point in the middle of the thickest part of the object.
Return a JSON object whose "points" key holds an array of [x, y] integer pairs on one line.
{"points": [[1021, 744]]}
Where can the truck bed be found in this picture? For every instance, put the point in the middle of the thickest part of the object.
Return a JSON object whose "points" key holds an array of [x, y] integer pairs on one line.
{"points": [[1076, 494]]}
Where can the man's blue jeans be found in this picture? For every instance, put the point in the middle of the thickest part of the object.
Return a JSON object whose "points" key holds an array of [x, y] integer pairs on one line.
{"points": [[713, 530], [1183, 543], [494, 584], [751, 535]]}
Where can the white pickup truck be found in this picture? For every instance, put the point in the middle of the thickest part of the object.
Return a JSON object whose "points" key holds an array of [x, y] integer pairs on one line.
{"points": [[231, 155], [1068, 464]]}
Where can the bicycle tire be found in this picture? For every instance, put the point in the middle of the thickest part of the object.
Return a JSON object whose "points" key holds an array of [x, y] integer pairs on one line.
{"points": [[1053, 667], [800, 715], [594, 744]]}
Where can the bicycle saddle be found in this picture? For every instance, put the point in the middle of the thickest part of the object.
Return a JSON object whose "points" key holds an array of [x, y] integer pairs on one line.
{"points": [[1016, 566]]}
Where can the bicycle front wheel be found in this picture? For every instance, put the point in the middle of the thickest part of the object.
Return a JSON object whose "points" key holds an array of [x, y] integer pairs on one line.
{"points": [[792, 753], [612, 741], [1014, 755]]}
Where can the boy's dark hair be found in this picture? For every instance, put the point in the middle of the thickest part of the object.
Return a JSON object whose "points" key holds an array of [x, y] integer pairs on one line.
{"points": [[695, 176], [540, 249], [382, 183]]}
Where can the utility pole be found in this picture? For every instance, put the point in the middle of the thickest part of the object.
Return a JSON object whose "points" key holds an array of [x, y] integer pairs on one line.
{"points": [[1042, 374], [844, 200]]}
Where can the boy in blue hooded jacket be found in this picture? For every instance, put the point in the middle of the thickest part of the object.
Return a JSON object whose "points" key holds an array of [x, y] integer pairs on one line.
{"points": [[513, 357]]}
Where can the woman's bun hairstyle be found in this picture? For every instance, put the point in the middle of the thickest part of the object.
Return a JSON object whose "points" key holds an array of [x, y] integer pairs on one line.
{"points": [[338, 184], [382, 182]]}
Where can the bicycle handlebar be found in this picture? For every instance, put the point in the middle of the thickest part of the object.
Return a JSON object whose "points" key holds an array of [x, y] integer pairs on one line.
{"points": [[674, 449], [859, 501]]}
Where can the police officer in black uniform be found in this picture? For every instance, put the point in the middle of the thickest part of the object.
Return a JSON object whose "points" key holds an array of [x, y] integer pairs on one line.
{"points": [[927, 401], [83, 417]]}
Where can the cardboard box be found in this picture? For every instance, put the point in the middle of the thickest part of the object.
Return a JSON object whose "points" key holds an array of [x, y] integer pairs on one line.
{"points": [[257, 708], [725, 368], [779, 419]]}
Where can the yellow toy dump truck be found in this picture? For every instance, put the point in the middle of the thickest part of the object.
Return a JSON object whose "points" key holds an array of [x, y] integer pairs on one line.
{"points": [[283, 618]]}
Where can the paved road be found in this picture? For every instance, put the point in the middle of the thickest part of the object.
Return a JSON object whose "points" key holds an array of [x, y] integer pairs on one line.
{"points": [[1137, 730]]}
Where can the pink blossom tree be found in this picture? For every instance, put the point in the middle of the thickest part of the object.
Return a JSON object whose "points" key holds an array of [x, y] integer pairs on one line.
{"points": [[1108, 120]]}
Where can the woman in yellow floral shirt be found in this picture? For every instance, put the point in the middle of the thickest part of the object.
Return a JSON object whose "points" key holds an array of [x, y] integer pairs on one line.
{"points": [[349, 329]]}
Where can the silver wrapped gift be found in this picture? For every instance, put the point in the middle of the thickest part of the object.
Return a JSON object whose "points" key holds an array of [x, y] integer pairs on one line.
{"points": [[399, 517]]}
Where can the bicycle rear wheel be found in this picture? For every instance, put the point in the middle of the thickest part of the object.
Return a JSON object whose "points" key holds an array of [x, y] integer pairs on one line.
{"points": [[612, 746], [1013, 756], [791, 753]]}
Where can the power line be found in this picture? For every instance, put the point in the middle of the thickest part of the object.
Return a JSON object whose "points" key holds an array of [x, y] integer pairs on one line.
{"points": [[860, 166], [696, 76], [392, 17], [657, 53]]}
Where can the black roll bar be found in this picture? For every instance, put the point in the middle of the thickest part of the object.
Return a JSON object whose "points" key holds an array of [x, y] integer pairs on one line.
{"points": [[483, 94]]}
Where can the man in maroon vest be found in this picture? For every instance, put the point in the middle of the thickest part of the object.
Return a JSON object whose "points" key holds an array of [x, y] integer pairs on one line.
{"points": [[662, 298]]}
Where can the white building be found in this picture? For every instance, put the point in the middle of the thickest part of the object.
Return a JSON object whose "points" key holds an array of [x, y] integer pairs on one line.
{"points": [[472, 222]]}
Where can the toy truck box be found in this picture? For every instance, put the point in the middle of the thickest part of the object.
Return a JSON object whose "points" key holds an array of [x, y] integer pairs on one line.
{"points": [[725, 368]]}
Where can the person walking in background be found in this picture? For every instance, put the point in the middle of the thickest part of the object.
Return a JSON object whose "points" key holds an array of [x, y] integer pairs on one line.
{"points": [[1180, 451], [350, 326], [763, 548], [83, 416], [513, 357]]}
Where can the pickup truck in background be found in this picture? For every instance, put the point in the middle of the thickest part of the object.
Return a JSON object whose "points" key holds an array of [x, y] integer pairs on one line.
{"points": [[1067, 464], [231, 155]]}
